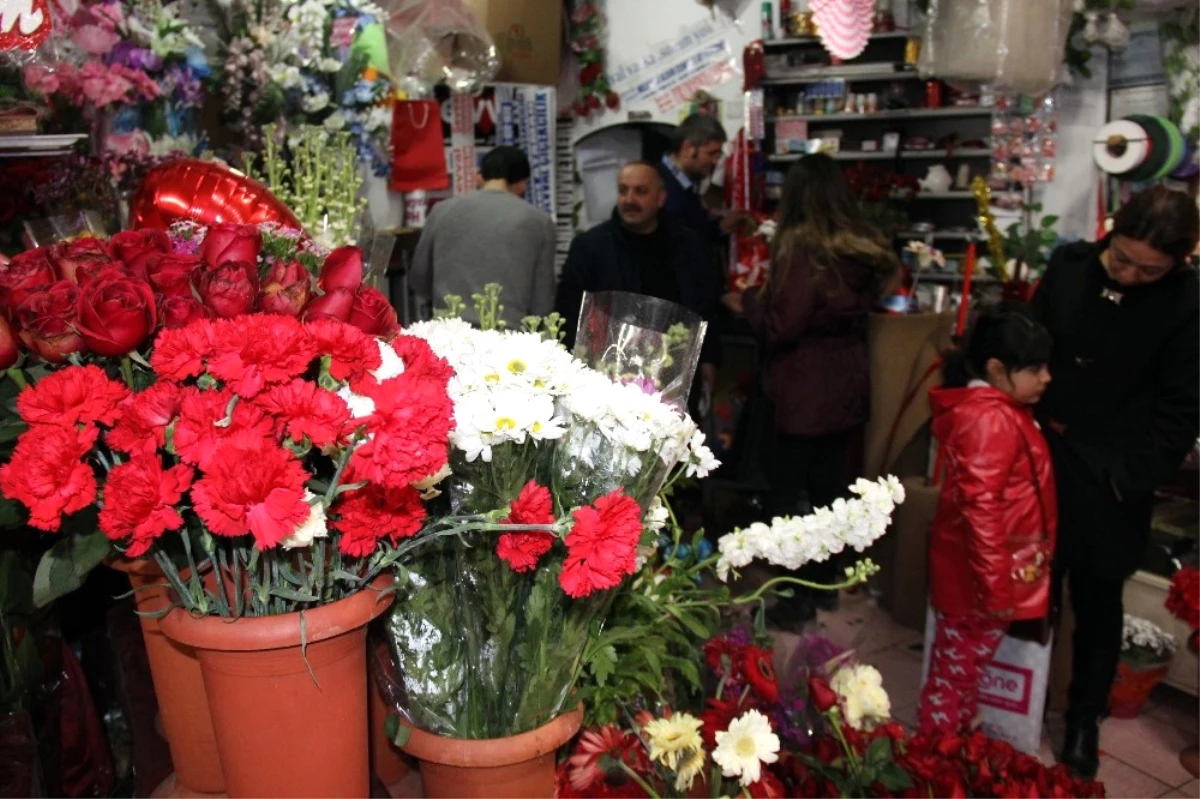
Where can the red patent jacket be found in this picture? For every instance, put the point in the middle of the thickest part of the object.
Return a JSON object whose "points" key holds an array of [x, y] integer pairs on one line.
{"points": [[992, 538]]}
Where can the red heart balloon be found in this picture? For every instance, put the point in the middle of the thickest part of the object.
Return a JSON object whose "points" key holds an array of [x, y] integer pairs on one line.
{"points": [[207, 193]]}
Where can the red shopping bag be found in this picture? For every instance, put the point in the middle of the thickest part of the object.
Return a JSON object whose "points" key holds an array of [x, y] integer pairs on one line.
{"points": [[419, 155]]}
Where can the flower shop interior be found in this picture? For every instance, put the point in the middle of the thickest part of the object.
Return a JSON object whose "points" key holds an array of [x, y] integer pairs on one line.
{"points": [[292, 508]]}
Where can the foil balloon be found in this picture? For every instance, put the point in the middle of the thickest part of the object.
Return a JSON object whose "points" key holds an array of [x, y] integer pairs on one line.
{"points": [[24, 24], [207, 193]]}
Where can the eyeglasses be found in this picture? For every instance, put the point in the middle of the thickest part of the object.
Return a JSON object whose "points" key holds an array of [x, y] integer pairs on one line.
{"points": [[1120, 261]]}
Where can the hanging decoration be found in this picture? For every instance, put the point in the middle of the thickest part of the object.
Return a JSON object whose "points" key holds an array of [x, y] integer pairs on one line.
{"points": [[587, 42], [24, 24], [844, 25], [987, 223]]}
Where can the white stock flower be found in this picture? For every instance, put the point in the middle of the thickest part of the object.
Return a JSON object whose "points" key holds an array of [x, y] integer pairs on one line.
{"points": [[315, 102], [657, 515], [745, 746], [864, 702], [311, 528]]}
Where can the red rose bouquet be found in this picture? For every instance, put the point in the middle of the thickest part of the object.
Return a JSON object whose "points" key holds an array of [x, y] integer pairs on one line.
{"points": [[1183, 598]]}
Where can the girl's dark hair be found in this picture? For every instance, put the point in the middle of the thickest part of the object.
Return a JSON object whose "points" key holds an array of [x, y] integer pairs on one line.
{"points": [[1163, 219], [1008, 333], [819, 213]]}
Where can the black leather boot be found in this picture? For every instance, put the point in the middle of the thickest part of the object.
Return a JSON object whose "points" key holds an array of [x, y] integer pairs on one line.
{"points": [[1081, 751]]}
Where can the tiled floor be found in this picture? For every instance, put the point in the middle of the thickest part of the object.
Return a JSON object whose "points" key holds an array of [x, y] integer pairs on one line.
{"points": [[1139, 757]]}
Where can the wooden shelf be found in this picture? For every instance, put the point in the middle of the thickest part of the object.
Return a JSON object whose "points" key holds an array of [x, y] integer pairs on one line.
{"points": [[950, 112], [945, 235], [876, 155]]}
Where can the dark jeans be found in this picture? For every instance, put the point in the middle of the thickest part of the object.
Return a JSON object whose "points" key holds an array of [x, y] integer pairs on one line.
{"points": [[1096, 645], [806, 473]]}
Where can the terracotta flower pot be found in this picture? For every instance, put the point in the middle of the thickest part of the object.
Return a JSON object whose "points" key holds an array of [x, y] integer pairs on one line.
{"points": [[394, 769], [179, 688], [1132, 687], [506, 768], [289, 723]]}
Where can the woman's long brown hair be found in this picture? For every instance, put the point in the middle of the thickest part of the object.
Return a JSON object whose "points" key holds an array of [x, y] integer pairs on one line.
{"points": [[820, 215]]}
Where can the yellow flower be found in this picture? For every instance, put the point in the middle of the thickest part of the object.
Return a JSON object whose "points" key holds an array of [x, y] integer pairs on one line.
{"points": [[672, 738], [690, 766]]}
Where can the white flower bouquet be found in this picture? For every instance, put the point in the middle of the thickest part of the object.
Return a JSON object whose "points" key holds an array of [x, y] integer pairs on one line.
{"points": [[1145, 643]]}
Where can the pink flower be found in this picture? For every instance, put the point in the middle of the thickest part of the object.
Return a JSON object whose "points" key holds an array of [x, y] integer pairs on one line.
{"points": [[41, 79], [102, 86], [94, 39]]}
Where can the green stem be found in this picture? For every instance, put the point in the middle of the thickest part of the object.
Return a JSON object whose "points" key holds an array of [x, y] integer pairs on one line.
{"points": [[200, 597], [851, 756], [17, 376], [127, 371], [645, 786]]}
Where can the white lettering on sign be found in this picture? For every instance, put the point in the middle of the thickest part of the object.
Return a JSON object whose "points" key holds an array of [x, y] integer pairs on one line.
{"points": [[1006, 687]]}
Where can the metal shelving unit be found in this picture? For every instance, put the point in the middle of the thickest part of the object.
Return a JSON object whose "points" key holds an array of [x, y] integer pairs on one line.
{"points": [[39, 145], [897, 113], [802, 40], [842, 73], [904, 155]]}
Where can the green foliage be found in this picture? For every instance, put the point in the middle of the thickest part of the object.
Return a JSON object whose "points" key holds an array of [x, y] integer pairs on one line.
{"points": [[80, 547], [20, 663], [1029, 242]]}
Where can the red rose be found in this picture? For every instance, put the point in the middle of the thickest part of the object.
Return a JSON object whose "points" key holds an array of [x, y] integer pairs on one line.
{"points": [[47, 473], [335, 305], [177, 312], [368, 514], [373, 313], [75, 395], [824, 697], [612, 100], [24, 274], [146, 508], [171, 275], [116, 315], [589, 73], [139, 249], [47, 320], [224, 243], [602, 545], [231, 289], [86, 253], [521, 550], [90, 271], [593, 102], [286, 289], [343, 269], [252, 487], [8, 344]]}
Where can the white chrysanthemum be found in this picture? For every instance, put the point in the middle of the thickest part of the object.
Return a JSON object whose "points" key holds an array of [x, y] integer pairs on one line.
{"points": [[745, 746], [312, 528], [864, 702]]}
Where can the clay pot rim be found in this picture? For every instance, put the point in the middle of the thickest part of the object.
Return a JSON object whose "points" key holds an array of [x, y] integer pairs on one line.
{"points": [[143, 567], [494, 752], [253, 634]]}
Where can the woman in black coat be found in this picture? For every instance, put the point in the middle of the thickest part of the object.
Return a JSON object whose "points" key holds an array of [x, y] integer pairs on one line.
{"points": [[1120, 416]]}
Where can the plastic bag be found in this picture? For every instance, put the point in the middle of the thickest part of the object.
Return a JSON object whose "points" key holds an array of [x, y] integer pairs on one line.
{"points": [[1014, 44], [439, 40]]}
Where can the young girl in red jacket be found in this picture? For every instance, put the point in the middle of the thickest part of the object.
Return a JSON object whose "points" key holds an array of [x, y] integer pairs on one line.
{"points": [[992, 538]]}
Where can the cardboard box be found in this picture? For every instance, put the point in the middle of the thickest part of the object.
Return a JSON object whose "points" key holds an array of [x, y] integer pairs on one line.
{"points": [[528, 34]]}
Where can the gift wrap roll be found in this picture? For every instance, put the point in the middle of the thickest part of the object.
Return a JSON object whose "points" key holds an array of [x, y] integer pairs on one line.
{"points": [[1121, 147]]}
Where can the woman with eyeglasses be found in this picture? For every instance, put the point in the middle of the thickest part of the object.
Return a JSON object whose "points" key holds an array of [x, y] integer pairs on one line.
{"points": [[1120, 416]]}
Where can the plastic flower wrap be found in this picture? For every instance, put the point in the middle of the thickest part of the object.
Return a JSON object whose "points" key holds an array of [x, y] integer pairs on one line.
{"points": [[489, 632]]}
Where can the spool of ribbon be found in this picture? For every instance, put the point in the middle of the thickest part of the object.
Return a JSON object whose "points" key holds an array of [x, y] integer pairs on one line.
{"points": [[987, 223], [205, 192]]}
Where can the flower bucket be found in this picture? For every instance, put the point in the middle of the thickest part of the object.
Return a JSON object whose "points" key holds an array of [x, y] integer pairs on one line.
{"points": [[179, 688], [289, 722], [1132, 687], [395, 770], [505, 768]]}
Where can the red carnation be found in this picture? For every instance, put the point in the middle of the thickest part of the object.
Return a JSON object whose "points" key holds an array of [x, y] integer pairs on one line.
{"points": [[368, 514], [180, 354], [254, 352], [1183, 598], [303, 410], [141, 498], [824, 697], [197, 432], [74, 395], [48, 319], [353, 354], [410, 431], [145, 416], [602, 546], [252, 486], [419, 357], [760, 673], [48, 475], [522, 550]]}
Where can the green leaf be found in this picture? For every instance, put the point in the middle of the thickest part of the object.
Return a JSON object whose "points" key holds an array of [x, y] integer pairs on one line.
{"points": [[403, 733], [879, 754], [64, 566], [604, 663], [894, 778], [295, 596], [1049, 220]]}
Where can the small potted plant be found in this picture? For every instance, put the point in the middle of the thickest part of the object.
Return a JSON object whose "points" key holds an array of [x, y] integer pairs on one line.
{"points": [[1146, 652]]}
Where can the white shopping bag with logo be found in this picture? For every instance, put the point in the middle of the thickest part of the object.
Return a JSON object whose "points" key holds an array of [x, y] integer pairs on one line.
{"points": [[1012, 690]]}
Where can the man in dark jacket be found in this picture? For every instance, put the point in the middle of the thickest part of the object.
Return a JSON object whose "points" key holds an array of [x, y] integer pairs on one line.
{"points": [[1120, 416], [644, 251]]}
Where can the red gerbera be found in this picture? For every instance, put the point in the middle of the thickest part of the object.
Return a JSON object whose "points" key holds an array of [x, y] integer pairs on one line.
{"points": [[716, 718], [767, 787], [142, 427], [523, 549], [182, 352], [724, 657], [48, 475], [142, 498], [594, 768], [760, 673], [368, 514], [75, 395], [253, 352], [352, 352], [252, 486], [602, 546], [303, 409], [410, 431], [202, 423]]}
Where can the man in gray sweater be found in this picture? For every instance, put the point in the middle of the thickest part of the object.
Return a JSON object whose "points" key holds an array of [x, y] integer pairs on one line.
{"points": [[489, 236]]}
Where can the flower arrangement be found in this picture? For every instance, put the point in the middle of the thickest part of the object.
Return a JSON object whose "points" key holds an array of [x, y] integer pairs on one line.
{"points": [[139, 64], [1183, 597], [1144, 642], [586, 39]]}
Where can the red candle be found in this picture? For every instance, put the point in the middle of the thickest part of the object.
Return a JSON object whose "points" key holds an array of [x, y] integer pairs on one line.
{"points": [[965, 305]]}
